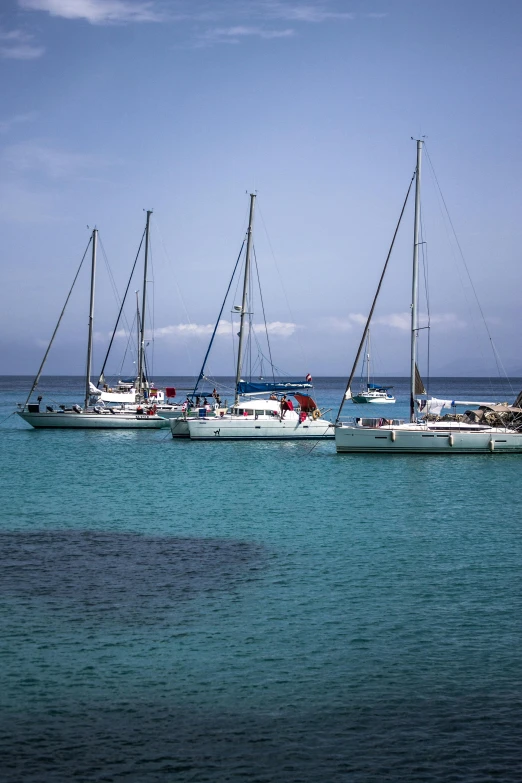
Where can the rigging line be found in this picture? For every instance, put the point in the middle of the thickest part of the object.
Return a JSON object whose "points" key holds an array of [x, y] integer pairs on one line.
{"points": [[365, 332], [424, 254], [129, 339], [150, 310], [120, 311], [471, 312], [234, 334], [178, 291], [38, 374], [7, 417], [467, 269], [112, 280], [264, 316], [202, 371], [109, 271], [300, 346]]}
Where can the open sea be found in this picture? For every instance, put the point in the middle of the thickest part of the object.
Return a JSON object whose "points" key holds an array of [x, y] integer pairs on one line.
{"points": [[262, 612]]}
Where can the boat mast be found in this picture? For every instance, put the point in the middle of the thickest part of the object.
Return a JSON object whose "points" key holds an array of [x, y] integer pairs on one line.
{"points": [[368, 361], [141, 346], [415, 282], [245, 289], [91, 319]]}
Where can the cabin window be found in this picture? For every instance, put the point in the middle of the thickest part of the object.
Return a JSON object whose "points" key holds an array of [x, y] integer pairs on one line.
{"points": [[260, 413]]}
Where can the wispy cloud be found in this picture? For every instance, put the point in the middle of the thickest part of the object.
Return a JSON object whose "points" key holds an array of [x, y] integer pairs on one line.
{"points": [[234, 20], [312, 13], [234, 35], [275, 328], [18, 45], [49, 161], [97, 11], [15, 120], [400, 321]]}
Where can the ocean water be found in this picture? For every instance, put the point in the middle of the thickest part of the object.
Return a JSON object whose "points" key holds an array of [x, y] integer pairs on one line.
{"points": [[269, 612]]}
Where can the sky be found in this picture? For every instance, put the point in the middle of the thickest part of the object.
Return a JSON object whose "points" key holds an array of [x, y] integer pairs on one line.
{"points": [[113, 107]]}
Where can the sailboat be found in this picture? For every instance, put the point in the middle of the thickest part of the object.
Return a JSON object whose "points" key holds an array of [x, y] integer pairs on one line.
{"points": [[373, 392], [491, 428], [136, 394], [76, 417], [261, 410]]}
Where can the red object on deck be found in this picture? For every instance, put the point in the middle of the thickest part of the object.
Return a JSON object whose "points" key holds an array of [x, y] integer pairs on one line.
{"points": [[170, 391], [307, 403]]}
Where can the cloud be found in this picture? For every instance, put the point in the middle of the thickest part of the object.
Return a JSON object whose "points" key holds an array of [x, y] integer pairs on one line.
{"points": [[97, 11], [52, 162], [17, 45], [400, 321], [17, 119], [233, 35], [312, 12], [276, 328]]}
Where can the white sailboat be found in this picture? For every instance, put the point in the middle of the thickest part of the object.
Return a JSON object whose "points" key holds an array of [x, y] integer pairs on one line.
{"points": [[136, 395], [373, 392], [76, 417], [474, 433], [261, 410]]}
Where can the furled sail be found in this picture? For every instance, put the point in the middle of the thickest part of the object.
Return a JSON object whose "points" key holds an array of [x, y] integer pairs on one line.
{"points": [[419, 385]]}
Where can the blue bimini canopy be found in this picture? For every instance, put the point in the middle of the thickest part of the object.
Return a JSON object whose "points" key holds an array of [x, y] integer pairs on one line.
{"points": [[287, 387], [378, 386]]}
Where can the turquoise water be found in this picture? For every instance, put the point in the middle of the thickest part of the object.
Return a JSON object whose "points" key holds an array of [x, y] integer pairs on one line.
{"points": [[178, 611]]}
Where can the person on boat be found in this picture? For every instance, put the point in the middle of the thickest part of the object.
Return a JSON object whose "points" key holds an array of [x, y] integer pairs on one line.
{"points": [[273, 396], [286, 405]]}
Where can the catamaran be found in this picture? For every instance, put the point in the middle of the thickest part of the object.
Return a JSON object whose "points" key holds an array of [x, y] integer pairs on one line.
{"points": [[88, 417], [261, 409], [490, 428]]}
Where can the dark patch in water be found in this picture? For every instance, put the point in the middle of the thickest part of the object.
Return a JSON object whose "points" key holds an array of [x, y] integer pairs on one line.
{"points": [[116, 575], [455, 740]]}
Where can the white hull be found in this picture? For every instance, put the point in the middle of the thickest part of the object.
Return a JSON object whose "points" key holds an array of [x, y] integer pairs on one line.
{"points": [[238, 428], [179, 428], [92, 421], [165, 412], [361, 399], [422, 440]]}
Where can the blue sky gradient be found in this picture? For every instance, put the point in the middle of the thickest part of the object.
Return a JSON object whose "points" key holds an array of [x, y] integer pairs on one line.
{"points": [[111, 107]]}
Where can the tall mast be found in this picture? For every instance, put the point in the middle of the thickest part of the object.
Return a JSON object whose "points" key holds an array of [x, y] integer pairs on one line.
{"points": [[91, 319], [415, 282], [138, 328], [141, 347], [245, 289], [368, 361]]}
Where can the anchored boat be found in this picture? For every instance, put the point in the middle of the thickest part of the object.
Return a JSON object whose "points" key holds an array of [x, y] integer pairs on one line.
{"points": [[76, 417], [491, 428], [261, 409]]}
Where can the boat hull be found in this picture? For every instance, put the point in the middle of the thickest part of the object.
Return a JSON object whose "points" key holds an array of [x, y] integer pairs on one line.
{"points": [[422, 441], [379, 400], [91, 421], [179, 428], [259, 429]]}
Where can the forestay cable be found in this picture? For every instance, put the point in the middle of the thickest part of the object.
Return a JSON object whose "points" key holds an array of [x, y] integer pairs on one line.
{"points": [[36, 380], [365, 332]]}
